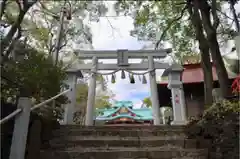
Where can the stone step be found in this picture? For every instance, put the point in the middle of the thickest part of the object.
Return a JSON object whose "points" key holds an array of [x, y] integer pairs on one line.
{"points": [[123, 152], [117, 132], [71, 143], [124, 127]]}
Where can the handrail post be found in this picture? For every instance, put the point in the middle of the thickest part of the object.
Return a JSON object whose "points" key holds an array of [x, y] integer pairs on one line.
{"points": [[20, 131]]}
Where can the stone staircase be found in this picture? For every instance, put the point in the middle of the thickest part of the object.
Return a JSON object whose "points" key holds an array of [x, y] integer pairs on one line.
{"points": [[123, 142]]}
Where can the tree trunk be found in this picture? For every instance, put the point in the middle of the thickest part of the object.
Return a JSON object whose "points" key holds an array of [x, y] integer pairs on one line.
{"points": [[220, 67], [9, 37], [235, 17], [2, 8], [205, 56], [211, 32], [208, 77]]}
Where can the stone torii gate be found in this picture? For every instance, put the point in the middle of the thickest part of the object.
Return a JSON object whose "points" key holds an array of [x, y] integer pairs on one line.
{"points": [[122, 57]]}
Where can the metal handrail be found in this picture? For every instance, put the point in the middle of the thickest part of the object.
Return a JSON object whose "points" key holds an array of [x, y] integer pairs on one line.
{"points": [[10, 116], [17, 111], [49, 100]]}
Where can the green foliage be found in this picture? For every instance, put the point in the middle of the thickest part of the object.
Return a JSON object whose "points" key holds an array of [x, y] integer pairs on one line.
{"points": [[147, 101], [170, 22], [36, 75], [11, 12], [103, 102], [82, 93], [31, 73], [220, 123], [165, 20]]}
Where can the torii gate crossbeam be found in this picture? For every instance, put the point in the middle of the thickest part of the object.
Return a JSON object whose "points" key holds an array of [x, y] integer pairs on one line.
{"points": [[136, 67], [113, 54]]}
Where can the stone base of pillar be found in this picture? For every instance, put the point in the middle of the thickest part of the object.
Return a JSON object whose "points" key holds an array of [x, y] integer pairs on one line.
{"points": [[237, 43], [179, 122]]}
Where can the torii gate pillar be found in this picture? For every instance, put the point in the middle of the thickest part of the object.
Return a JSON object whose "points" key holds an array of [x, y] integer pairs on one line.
{"points": [[237, 44], [154, 93], [91, 94]]}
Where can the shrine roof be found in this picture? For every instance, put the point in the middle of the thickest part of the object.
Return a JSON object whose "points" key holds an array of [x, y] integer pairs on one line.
{"points": [[125, 116], [123, 103], [193, 73], [140, 114]]}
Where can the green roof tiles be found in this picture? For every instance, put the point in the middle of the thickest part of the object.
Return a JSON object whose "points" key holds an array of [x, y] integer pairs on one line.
{"points": [[123, 109]]}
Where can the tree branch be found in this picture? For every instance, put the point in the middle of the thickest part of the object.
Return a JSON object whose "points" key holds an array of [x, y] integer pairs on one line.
{"points": [[3, 7], [63, 45], [235, 17], [20, 7], [113, 28], [169, 26], [55, 16], [12, 45], [224, 14], [214, 13], [4, 24], [9, 37]]}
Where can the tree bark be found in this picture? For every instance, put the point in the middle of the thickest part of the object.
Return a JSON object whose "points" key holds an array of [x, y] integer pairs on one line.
{"points": [[2, 8], [205, 56], [208, 77], [211, 32], [9, 37], [7, 40], [235, 17]]}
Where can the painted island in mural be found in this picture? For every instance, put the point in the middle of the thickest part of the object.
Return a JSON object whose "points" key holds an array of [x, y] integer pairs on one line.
{"points": [[123, 112]]}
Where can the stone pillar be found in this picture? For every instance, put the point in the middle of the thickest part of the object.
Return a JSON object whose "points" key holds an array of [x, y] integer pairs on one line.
{"points": [[34, 143], [70, 107], [178, 98], [20, 132], [91, 94], [154, 93], [237, 44], [217, 95]]}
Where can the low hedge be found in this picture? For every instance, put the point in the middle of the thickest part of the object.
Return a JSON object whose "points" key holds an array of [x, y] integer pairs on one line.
{"points": [[220, 124]]}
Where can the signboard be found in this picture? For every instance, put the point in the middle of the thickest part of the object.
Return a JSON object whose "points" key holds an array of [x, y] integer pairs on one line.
{"points": [[122, 58]]}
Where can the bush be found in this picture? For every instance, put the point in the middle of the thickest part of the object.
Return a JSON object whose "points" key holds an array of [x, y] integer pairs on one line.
{"points": [[220, 123], [37, 75]]}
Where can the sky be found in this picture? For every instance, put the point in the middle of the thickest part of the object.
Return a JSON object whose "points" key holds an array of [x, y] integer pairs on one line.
{"points": [[111, 34]]}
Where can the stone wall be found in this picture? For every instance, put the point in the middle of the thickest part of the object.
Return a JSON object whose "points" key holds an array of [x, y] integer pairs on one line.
{"points": [[195, 106]]}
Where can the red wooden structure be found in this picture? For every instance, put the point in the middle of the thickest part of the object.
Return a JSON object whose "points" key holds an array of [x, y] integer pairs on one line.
{"points": [[236, 85], [193, 84]]}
